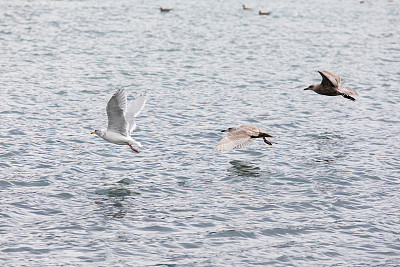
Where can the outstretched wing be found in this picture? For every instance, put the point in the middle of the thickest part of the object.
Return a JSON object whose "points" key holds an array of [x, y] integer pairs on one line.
{"points": [[330, 79], [347, 90], [134, 109], [248, 142], [116, 108], [234, 139]]}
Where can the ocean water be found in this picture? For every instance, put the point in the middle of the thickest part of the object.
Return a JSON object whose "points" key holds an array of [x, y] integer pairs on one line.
{"points": [[326, 193]]}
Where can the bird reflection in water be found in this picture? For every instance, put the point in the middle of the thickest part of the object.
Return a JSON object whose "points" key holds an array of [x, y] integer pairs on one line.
{"points": [[244, 168], [113, 199], [325, 148]]}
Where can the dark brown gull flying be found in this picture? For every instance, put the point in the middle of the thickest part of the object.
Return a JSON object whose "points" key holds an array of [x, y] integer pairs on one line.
{"points": [[331, 85]]}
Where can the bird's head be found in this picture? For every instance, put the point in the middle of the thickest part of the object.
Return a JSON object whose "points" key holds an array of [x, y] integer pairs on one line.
{"points": [[311, 87], [98, 132], [228, 130]]}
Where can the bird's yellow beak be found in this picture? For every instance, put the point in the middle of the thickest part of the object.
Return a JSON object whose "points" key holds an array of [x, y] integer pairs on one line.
{"points": [[91, 132]]}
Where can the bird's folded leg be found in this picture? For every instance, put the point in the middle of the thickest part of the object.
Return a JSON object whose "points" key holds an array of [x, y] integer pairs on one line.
{"points": [[266, 141], [134, 149]]}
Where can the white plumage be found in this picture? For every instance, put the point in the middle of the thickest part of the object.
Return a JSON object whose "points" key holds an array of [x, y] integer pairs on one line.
{"points": [[121, 119]]}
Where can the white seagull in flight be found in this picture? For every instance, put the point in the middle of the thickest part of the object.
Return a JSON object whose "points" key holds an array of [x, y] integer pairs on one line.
{"points": [[121, 119]]}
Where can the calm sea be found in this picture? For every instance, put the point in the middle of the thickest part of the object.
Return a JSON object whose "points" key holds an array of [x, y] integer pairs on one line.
{"points": [[326, 193]]}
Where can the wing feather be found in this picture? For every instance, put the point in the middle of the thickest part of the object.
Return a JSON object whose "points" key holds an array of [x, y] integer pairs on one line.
{"points": [[248, 142], [347, 91], [329, 78], [116, 108], [134, 109], [238, 138]]}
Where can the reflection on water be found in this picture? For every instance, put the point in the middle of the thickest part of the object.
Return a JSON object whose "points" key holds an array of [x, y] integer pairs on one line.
{"points": [[325, 144], [326, 160], [327, 136], [244, 168], [113, 200]]}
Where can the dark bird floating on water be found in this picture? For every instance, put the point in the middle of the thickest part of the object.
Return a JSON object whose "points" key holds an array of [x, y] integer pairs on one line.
{"points": [[239, 137], [165, 9], [331, 85], [246, 8], [264, 13]]}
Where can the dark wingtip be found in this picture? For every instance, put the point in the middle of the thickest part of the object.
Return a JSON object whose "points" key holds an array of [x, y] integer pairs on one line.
{"points": [[349, 97], [320, 72]]}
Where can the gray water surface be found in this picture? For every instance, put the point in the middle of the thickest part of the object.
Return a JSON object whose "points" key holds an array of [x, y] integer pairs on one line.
{"points": [[327, 192]]}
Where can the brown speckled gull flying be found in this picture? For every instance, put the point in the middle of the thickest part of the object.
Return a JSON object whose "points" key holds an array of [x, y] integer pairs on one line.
{"points": [[239, 137], [331, 85]]}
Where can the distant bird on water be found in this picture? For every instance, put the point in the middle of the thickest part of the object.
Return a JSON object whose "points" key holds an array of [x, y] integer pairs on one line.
{"points": [[331, 85], [165, 9], [246, 8], [264, 13], [239, 137], [121, 119]]}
